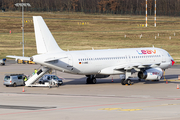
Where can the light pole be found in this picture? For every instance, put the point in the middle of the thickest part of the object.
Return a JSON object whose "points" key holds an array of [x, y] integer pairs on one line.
{"points": [[22, 5], [146, 13], [155, 14]]}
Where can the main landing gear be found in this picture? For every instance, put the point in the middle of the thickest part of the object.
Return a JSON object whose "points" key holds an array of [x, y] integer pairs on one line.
{"points": [[127, 80], [124, 82], [91, 79]]}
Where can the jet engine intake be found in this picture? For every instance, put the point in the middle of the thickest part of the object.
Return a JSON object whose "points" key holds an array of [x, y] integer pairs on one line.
{"points": [[151, 74]]}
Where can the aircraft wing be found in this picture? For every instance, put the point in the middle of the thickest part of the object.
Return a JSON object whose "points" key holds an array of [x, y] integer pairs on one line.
{"points": [[136, 66], [18, 57]]}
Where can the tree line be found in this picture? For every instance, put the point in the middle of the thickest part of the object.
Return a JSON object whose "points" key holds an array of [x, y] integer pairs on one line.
{"points": [[134, 7]]}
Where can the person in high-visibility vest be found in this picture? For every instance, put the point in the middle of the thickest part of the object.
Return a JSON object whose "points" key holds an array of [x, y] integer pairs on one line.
{"points": [[35, 71], [25, 78]]}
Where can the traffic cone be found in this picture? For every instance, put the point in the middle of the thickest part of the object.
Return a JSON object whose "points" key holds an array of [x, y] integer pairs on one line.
{"points": [[23, 90], [166, 81], [177, 86], [112, 79]]}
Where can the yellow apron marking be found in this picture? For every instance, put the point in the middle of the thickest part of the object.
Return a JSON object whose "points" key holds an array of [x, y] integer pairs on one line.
{"points": [[173, 80], [136, 109], [130, 109]]}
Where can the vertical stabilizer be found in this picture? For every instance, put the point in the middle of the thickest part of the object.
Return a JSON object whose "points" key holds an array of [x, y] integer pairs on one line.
{"points": [[45, 41]]}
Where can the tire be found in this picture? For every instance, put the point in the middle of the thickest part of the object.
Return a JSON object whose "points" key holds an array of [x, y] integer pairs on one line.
{"points": [[7, 85], [61, 83], [14, 85], [93, 81], [123, 82], [128, 81]]}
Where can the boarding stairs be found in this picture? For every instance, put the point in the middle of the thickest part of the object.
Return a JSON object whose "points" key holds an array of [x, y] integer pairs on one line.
{"points": [[31, 81]]}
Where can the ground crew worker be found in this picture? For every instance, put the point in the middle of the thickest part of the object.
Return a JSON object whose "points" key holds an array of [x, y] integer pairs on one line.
{"points": [[25, 78], [35, 71]]}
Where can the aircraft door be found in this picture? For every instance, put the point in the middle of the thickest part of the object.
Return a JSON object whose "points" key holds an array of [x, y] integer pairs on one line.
{"points": [[128, 58], [163, 57], [70, 62]]}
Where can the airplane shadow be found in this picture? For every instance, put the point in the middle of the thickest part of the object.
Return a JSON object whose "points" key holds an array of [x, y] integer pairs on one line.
{"points": [[171, 76], [81, 81]]}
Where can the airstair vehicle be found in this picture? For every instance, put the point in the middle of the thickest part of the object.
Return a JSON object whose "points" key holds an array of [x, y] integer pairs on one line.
{"points": [[32, 81]]}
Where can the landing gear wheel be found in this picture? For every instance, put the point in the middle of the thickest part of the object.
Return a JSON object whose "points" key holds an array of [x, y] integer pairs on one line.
{"points": [[93, 81], [123, 81], [128, 81]]}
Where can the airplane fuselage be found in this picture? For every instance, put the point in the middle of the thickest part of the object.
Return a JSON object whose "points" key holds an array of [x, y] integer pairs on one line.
{"points": [[87, 62]]}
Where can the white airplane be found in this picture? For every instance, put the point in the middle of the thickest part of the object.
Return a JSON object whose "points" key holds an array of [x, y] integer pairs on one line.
{"points": [[148, 62]]}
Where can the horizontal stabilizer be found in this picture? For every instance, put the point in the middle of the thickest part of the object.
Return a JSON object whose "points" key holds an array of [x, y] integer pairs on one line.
{"points": [[18, 57]]}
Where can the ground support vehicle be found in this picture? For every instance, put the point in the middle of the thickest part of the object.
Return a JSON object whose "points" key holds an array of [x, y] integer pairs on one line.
{"points": [[52, 79], [14, 80], [51, 83], [25, 61], [2, 62]]}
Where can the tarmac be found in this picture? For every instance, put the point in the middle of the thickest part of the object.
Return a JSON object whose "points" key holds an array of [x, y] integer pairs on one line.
{"points": [[76, 100]]}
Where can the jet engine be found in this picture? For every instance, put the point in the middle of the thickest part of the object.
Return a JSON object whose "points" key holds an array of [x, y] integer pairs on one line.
{"points": [[151, 74]]}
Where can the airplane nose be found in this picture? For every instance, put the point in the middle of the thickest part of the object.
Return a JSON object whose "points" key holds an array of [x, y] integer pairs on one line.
{"points": [[172, 62]]}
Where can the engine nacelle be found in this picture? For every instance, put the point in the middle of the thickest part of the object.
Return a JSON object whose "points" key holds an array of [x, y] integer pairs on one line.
{"points": [[151, 74]]}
